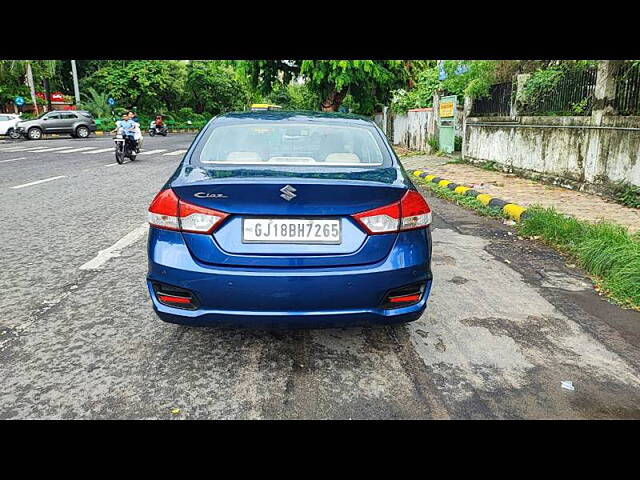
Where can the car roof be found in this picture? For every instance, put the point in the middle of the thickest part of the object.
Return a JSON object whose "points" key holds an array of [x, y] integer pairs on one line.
{"points": [[294, 116]]}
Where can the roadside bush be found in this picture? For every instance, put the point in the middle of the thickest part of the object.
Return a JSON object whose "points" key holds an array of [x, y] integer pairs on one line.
{"points": [[185, 114], [627, 194], [105, 124]]}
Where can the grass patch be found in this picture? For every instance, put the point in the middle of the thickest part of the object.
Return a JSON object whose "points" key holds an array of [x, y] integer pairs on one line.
{"points": [[457, 161], [403, 152], [605, 250], [489, 166], [462, 200], [627, 194]]}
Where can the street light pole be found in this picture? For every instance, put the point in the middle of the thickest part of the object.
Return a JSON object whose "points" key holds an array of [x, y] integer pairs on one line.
{"points": [[76, 90]]}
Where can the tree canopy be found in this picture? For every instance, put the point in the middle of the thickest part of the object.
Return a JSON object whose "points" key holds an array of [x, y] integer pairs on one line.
{"points": [[368, 82]]}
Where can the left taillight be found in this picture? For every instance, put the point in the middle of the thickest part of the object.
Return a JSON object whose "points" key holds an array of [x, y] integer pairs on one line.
{"points": [[411, 212], [167, 211]]}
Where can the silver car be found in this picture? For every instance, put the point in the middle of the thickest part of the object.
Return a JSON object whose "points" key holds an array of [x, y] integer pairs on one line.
{"points": [[77, 123]]}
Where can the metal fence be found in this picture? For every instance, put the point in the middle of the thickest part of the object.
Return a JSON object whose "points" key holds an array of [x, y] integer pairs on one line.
{"points": [[627, 100], [497, 103], [572, 95]]}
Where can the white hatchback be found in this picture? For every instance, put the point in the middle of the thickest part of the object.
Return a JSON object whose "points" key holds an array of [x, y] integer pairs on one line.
{"points": [[8, 123]]}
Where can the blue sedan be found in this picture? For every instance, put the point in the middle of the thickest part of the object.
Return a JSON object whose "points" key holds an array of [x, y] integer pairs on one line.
{"points": [[293, 219]]}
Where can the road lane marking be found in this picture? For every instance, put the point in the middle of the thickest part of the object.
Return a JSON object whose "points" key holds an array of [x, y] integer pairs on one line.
{"points": [[15, 149], [13, 159], [45, 149], [39, 181], [32, 148], [177, 152], [102, 150], [151, 152], [114, 250], [111, 164], [73, 150]]}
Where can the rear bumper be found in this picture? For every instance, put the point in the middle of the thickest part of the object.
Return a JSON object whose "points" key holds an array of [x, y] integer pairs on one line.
{"points": [[287, 297]]}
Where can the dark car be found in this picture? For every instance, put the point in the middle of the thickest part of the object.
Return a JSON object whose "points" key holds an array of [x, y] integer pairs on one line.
{"points": [[289, 219], [77, 123]]}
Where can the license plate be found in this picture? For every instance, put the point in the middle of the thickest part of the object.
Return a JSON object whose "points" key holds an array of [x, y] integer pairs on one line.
{"points": [[291, 230]]}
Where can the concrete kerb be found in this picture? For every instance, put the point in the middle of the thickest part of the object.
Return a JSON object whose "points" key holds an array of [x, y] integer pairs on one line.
{"points": [[513, 210]]}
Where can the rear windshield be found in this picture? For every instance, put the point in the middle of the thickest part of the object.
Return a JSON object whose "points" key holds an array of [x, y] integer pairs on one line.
{"points": [[291, 144]]}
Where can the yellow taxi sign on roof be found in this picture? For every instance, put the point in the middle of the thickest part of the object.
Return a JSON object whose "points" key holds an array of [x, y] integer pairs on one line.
{"points": [[264, 106]]}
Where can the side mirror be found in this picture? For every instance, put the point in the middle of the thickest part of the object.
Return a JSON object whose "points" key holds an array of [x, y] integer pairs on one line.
{"points": [[45, 118]]}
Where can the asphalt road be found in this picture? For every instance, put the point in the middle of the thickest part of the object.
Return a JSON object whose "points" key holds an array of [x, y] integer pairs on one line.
{"points": [[507, 321]]}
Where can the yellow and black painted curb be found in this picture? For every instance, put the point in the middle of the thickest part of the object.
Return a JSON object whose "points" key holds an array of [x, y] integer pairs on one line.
{"points": [[513, 210]]}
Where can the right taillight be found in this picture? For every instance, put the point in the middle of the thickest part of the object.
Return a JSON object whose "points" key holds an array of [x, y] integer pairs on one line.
{"points": [[411, 212], [415, 211], [167, 211]]}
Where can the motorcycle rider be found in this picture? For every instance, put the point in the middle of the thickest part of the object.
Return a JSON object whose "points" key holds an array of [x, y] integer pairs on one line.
{"points": [[137, 132], [159, 124], [124, 127]]}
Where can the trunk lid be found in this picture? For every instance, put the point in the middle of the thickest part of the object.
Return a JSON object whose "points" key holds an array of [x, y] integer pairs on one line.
{"points": [[282, 198]]}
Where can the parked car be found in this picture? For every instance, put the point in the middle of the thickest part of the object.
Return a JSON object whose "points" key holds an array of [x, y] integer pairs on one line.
{"points": [[77, 123], [278, 218], [8, 122]]}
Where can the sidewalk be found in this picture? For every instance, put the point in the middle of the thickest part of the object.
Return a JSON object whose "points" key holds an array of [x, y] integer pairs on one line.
{"points": [[526, 192]]}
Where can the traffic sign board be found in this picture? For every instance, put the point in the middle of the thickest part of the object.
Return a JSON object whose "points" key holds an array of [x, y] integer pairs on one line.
{"points": [[111, 101], [19, 101]]}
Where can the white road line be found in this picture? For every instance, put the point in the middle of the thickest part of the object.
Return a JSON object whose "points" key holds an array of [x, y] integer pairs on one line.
{"points": [[114, 250], [151, 152], [73, 150], [177, 152], [15, 149], [12, 145], [13, 159], [39, 181], [32, 148], [102, 150], [111, 164], [46, 149]]}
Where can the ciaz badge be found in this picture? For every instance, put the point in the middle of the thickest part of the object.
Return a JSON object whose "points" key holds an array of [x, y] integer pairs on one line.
{"points": [[209, 195]]}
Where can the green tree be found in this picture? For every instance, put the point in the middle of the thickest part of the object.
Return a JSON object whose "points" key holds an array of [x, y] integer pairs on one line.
{"points": [[150, 85], [13, 74], [265, 75], [96, 103], [294, 96], [472, 78], [12, 81], [369, 82], [463, 77], [214, 87]]}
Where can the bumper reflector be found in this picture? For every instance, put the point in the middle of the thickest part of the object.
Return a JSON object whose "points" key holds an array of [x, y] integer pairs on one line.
{"points": [[171, 299], [404, 296], [174, 296]]}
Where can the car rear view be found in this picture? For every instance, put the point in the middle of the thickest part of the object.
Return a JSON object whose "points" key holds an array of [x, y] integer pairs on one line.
{"points": [[289, 219]]}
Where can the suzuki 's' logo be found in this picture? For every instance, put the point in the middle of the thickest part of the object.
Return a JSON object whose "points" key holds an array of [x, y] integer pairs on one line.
{"points": [[287, 192]]}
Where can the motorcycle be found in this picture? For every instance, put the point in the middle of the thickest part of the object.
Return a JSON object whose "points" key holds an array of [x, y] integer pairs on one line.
{"points": [[155, 129], [125, 148]]}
